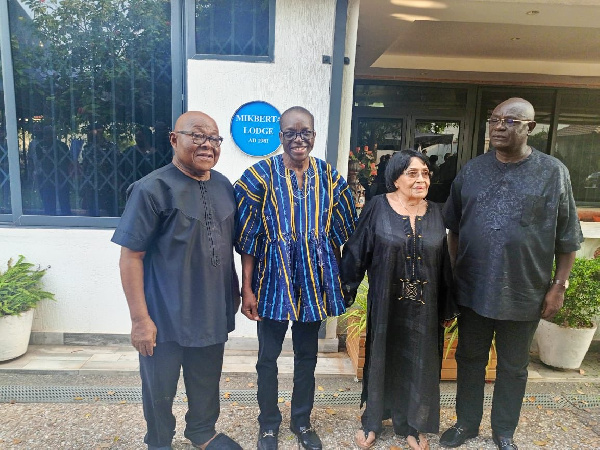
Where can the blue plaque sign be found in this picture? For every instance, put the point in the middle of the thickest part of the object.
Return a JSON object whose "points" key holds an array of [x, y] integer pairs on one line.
{"points": [[255, 128]]}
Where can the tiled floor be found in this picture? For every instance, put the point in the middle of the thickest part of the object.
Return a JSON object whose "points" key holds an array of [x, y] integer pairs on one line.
{"points": [[121, 360]]}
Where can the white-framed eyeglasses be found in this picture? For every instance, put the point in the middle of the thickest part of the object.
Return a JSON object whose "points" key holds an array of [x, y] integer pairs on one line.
{"points": [[415, 173]]}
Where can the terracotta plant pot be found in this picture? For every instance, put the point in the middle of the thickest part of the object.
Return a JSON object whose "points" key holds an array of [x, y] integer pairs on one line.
{"points": [[355, 347]]}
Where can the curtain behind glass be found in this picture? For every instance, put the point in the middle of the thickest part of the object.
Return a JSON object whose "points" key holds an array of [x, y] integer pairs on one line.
{"points": [[93, 93]]}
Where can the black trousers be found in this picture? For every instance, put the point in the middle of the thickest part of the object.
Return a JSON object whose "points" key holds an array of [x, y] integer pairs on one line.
{"points": [[305, 337], [202, 368], [513, 340]]}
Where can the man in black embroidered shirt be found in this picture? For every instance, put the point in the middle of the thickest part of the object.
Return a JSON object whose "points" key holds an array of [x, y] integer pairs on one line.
{"points": [[177, 271], [510, 214]]}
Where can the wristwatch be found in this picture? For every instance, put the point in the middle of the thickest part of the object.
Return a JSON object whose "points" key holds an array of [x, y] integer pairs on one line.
{"points": [[563, 283]]}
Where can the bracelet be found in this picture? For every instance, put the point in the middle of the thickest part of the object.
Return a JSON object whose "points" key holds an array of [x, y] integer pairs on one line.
{"points": [[563, 283]]}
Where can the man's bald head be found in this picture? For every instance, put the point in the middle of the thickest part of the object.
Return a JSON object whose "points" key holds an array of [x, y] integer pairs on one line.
{"points": [[509, 137], [517, 107], [194, 118], [193, 140]]}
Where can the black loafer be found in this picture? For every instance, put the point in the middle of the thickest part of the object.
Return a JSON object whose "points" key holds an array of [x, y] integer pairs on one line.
{"points": [[504, 443], [307, 437], [267, 440], [456, 435], [220, 442]]}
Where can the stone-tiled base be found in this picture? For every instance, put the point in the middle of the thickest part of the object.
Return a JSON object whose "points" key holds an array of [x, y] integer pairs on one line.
{"points": [[326, 345], [123, 359], [116, 359]]}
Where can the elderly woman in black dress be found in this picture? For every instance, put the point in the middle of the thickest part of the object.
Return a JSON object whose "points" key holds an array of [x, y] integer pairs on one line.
{"points": [[401, 243]]}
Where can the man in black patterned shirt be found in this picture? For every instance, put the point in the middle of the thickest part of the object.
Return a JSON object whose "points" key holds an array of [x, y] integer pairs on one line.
{"points": [[176, 236], [510, 213]]}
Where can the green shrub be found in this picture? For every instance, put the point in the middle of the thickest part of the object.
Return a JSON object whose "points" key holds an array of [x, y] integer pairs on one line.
{"points": [[582, 299], [20, 287]]}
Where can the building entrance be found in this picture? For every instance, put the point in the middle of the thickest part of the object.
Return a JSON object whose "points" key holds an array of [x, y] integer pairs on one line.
{"points": [[377, 139]]}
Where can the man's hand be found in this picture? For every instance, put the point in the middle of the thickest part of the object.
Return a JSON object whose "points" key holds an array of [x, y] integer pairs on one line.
{"points": [[553, 301], [143, 335], [250, 305]]}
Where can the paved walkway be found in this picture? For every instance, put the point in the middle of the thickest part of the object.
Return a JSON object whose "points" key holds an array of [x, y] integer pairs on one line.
{"points": [[121, 360], [84, 397]]}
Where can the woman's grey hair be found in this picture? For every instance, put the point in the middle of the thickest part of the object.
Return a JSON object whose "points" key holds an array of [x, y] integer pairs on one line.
{"points": [[398, 164]]}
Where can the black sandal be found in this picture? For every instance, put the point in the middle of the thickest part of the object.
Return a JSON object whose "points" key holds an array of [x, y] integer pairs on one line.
{"points": [[366, 433], [414, 433]]}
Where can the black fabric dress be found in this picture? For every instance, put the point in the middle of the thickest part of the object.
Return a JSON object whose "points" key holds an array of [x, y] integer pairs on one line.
{"points": [[410, 292]]}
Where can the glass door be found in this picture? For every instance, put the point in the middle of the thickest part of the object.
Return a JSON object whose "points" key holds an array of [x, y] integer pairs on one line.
{"points": [[439, 141], [376, 140]]}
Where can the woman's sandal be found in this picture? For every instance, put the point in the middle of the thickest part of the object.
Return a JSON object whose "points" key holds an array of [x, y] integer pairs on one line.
{"points": [[420, 441], [362, 438]]}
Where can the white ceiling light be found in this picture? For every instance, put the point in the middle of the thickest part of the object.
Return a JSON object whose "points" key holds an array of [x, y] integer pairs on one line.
{"points": [[413, 17], [423, 4]]}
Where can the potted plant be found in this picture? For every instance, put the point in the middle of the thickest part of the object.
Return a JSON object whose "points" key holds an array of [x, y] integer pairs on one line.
{"points": [[564, 341], [20, 292], [355, 319]]}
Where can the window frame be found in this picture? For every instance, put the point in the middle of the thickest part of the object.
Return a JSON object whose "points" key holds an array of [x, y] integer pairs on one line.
{"points": [[190, 22], [16, 217]]}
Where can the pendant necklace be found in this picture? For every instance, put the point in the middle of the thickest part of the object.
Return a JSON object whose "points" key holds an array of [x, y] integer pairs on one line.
{"points": [[418, 205]]}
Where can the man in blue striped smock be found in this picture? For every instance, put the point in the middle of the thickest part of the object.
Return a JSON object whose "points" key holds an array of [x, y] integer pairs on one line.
{"points": [[294, 213]]}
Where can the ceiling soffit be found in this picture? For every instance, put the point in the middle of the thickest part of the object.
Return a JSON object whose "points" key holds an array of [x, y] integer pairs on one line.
{"points": [[456, 40]]}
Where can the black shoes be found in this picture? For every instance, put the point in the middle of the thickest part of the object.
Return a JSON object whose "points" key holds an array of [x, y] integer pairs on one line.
{"points": [[267, 440], [456, 435], [504, 443], [307, 437], [219, 441]]}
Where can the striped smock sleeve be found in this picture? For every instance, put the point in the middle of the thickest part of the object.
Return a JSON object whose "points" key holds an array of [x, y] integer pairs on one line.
{"points": [[344, 213], [249, 192]]}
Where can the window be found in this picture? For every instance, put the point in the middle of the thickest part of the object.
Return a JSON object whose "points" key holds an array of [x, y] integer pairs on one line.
{"points": [[542, 101], [235, 29], [577, 143], [576, 140], [93, 101]]}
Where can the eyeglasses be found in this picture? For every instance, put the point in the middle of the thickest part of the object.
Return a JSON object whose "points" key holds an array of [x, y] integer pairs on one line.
{"points": [[493, 121], [415, 174], [305, 135], [201, 138]]}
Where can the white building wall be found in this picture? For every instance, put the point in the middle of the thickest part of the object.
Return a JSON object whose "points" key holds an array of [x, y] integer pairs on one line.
{"points": [[297, 76], [83, 275], [84, 272], [348, 87]]}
